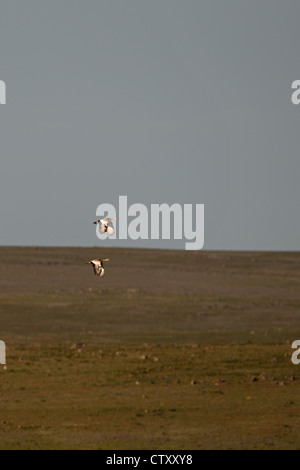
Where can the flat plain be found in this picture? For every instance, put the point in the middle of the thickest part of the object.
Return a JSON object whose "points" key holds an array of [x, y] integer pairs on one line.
{"points": [[170, 350]]}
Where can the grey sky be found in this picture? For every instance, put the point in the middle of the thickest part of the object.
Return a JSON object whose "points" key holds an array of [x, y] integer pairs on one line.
{"points": [[162, 101]]}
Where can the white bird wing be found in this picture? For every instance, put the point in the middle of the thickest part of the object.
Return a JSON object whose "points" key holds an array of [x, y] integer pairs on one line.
{"points": [[101, 272], [110, 230]]}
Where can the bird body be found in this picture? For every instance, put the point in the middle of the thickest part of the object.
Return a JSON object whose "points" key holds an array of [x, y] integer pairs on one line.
{"points": [[98, 266], [105, 225]]}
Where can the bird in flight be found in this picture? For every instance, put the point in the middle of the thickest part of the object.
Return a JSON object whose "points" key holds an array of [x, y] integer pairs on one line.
{"points": [[98, 266], [106, 225]]}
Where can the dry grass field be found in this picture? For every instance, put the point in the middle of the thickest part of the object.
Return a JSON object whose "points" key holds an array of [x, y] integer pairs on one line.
{"points": [[170, 350]]}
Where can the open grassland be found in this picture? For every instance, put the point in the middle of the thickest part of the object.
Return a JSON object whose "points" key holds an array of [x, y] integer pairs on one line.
{"points": [[170, 350]]}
